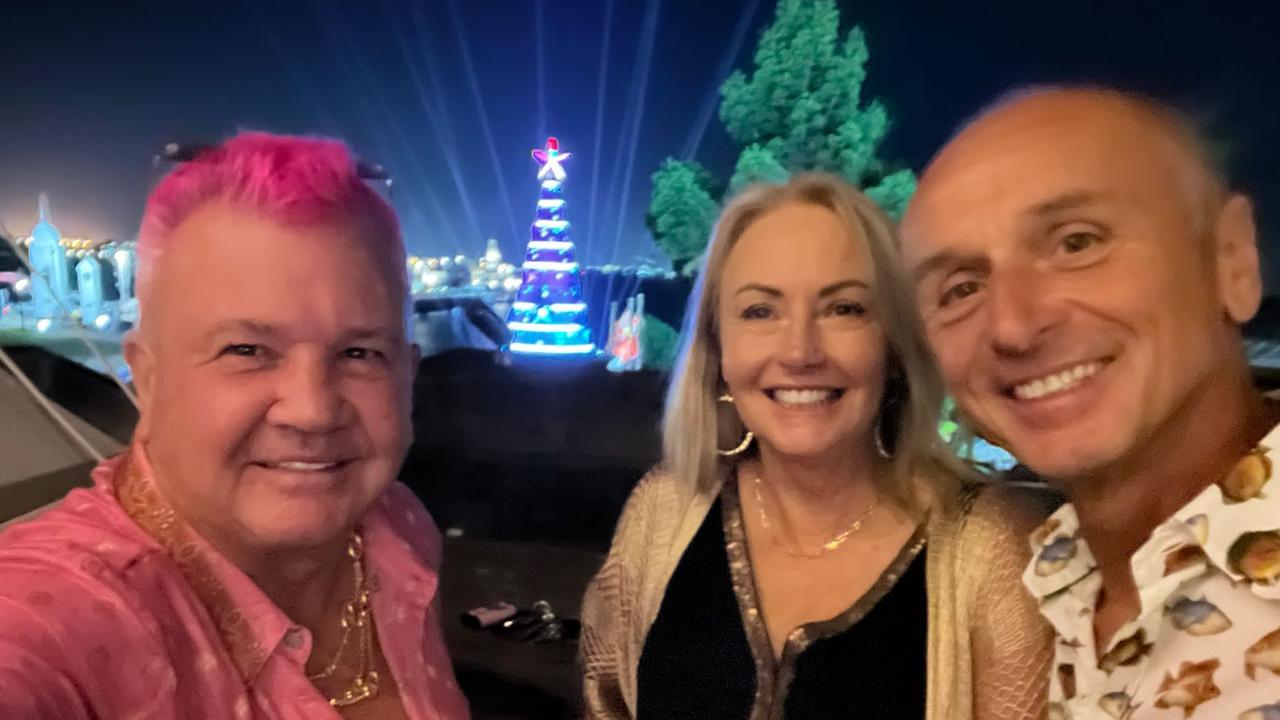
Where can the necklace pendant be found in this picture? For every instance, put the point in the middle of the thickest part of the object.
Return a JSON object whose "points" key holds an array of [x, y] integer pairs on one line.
{"points": [[362, 688]]}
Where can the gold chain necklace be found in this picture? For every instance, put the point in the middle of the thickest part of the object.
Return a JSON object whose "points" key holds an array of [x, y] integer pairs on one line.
{"points": [[357, 617], [828, 546]]}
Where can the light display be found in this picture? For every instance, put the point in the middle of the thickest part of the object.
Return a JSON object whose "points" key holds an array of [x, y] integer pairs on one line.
{"points": [[53, 290], [625, 335], [548, 316], [74, 280]]}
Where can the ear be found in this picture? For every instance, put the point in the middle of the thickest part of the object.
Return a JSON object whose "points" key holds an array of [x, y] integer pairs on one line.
{"points": [[142, 365], [1236, 250]]}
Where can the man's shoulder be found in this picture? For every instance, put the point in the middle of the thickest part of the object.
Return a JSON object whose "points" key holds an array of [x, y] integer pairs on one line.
{"points": [[78, 611], [85, 540]]}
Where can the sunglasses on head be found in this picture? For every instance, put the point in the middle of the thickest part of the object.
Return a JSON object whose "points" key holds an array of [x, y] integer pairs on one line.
{"points": [[179, 153]]}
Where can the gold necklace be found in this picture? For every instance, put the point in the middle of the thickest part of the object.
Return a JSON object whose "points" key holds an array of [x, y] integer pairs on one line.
{"points": [[357, 617], [828, 546]]}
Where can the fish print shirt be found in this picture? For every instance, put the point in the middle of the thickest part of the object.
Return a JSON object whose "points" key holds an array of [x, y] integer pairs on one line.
{"points": [[1206, 643], [111, 610]]}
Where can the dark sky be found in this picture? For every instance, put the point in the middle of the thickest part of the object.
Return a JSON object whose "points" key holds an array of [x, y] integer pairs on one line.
{"points": [[89, 91]]}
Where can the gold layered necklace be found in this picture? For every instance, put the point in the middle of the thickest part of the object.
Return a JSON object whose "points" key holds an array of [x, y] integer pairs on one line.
{"points": [[357, 619], [828, 546]]}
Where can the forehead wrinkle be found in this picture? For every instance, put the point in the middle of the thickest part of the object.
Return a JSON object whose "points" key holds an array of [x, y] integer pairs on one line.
{"points": [[1170, 140]]}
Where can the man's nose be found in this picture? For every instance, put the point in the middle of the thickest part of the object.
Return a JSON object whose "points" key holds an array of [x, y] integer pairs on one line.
{"points": [[308, 398], [1021, 310]]}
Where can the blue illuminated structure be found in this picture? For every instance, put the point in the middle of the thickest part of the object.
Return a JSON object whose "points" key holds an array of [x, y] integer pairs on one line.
{"points": [[548, 316], [51, 291]]}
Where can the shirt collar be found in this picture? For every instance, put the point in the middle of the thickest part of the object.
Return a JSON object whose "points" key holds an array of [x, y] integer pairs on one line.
{"points": [[1207, 531], [250, 624]]}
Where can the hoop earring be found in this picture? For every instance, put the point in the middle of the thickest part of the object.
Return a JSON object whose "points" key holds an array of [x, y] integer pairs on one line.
{"points": [[878, 432], [746, 439]]}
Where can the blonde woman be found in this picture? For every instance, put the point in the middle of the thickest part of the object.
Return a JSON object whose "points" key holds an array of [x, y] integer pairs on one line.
{"points": [[808, 547]]}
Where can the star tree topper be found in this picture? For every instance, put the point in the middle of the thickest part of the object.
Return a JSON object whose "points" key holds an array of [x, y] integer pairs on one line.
{"points": [[550, 159]]}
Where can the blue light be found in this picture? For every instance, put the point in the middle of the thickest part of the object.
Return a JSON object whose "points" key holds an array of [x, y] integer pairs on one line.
{"points": [[546, 265], [545, 327], [533, 349], [550, 245]]}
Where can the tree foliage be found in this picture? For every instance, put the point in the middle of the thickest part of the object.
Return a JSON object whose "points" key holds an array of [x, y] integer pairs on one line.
{"points": [[757, 165], [660, 342], [682, 210], [799, 108]]}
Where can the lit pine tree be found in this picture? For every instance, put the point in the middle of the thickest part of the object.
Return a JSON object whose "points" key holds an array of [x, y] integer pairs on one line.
{"points": [[549, 315]]}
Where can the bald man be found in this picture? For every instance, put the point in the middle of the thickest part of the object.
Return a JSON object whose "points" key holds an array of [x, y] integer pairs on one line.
{"points": [[1083, 274]]}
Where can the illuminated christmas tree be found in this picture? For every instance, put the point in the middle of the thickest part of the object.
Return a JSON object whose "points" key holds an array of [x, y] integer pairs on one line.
{"points": [[549, 316]]}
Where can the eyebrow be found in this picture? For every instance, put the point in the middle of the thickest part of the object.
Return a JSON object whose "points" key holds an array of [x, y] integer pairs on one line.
{"points": [[1067, 201], [824, 292], [261, 329], [252, 327], [374, 332], [1072, 200], [944, 259]]}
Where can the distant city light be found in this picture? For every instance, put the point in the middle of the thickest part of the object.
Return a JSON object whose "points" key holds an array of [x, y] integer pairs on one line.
{"points": [[43, 325]]}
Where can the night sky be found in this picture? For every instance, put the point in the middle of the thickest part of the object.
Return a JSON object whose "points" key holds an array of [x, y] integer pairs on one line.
{"points": [[451, 94]]}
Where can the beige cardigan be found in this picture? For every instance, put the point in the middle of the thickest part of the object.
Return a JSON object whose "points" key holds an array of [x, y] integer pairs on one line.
{"points": [[989, 651]]}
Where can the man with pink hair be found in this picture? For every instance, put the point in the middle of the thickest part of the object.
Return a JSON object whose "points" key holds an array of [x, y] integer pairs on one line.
{"points": [[249, 555]]}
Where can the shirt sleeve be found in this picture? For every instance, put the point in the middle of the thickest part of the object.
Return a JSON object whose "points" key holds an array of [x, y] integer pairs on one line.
{"points": [[70, 646], [1012, 644], [35, 690]]}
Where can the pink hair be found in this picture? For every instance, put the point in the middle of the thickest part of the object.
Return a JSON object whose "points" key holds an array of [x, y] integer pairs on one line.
{"points": [[298, 181]]}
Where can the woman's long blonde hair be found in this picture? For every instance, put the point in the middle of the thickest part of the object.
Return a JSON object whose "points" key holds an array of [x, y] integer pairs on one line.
{"points": [[693, 424]]}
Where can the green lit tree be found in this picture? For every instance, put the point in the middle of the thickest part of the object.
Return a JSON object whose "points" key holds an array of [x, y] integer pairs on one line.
{"points": [[801, 108], [757, 164], [660, 342], [682, 210]]}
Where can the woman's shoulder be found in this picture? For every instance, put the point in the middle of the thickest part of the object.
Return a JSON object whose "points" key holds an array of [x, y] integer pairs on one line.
{"points": [[661, 489], [1018, 506], [993, 518]]}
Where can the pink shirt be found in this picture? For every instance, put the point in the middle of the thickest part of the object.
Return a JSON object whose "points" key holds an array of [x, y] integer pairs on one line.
{"points": [[112, 609]]}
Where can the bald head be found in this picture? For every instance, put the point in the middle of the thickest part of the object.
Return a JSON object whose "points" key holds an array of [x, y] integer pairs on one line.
{"points": [[1147, 127], [1079, 238]]}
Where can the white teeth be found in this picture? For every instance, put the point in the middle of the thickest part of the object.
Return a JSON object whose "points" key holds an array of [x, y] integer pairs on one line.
{"points": [[304, 466], [805, 396], [1057, 382]]}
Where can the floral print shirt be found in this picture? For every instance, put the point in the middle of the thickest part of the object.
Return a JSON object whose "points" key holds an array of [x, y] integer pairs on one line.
{"points": [[1206, 643]]}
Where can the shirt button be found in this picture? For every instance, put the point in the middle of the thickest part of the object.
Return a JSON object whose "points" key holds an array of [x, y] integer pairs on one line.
{"points": [[293, 638]]}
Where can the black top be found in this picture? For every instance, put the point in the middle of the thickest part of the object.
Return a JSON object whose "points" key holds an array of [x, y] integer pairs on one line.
{"points": [[697, 661]]}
